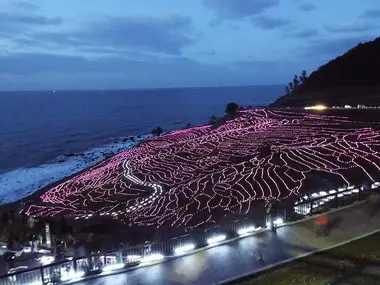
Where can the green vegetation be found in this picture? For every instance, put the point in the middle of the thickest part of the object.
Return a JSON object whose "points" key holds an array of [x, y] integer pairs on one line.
{"points": [[231, 109], [231, 112], [157, 131], [352, 264], [352, 78], [296, 83]]}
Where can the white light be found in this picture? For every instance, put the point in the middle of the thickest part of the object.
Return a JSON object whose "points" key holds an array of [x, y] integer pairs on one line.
{"points": [[66, 276], [340, 195], [134, 257], [153, 257], [350, 187], [4, 246], [27, 249], [355, 190], [314, 195], [322, 193], [278, 221], [183, 249], [332, 191], [316, 107], [36, 283], [113, 267], [244, 231], [216, 239], [45, 260]]}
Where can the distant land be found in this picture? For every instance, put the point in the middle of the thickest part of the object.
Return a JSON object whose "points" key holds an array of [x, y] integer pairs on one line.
{"points": [[350, 79]]}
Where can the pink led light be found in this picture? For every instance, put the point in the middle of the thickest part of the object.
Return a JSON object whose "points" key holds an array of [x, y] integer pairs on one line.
{"points": [[194, 176]]}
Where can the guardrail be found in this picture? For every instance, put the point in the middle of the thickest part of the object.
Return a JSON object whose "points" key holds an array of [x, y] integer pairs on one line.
{"points": [[101, 264]]}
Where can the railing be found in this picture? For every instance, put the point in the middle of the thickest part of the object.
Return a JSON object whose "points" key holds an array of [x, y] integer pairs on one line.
{"points": [[101, 264], [324, 201]]}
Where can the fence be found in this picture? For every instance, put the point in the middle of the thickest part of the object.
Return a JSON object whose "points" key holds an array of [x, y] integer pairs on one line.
{"points": [[77, 268]]}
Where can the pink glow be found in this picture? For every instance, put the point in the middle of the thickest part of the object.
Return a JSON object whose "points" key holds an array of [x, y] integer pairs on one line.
{"points": [[194, 176]]}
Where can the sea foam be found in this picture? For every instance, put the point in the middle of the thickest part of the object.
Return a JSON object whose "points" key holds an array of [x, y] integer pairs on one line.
{"points": [[22, 182]]}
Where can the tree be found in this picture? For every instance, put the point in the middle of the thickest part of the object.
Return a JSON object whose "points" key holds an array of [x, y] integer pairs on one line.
{"points": [[287, 90], [291, 87], [303, 77], [232, 108], [295, 82], [213, 120], [157, 132]]}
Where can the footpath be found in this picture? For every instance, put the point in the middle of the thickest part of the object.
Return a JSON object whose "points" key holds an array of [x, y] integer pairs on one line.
{"points": [[224, 263], [262, 251]]}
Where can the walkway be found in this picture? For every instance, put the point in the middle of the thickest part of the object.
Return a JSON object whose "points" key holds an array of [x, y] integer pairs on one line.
{"points": [[229, 261]]}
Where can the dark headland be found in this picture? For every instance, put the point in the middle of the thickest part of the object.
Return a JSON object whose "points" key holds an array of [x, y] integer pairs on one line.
{"points": [[350, 79]]}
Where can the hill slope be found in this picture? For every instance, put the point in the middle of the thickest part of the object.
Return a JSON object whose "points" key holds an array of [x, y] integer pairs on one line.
{"points": [[195, 176], [352, 78]]}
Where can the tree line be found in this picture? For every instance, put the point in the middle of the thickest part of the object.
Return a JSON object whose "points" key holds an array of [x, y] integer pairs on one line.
{"points": [[231, 111], [296, 83]]}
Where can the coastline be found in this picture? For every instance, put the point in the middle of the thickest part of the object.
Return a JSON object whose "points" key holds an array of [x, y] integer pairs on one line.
{"points": [[138, 140], [17, 205]]}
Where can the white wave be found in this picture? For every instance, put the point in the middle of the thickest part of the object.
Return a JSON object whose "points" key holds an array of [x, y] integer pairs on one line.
{"points": [[19, 183]]}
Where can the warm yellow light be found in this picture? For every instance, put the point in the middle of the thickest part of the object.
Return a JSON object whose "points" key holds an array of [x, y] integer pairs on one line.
{"points": [[316, 107]]}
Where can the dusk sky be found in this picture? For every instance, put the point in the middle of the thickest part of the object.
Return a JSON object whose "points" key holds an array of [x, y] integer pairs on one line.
{"points": [[91, 44]]}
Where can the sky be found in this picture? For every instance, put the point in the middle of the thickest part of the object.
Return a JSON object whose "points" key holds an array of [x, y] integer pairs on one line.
{"points": [[93, 44]]}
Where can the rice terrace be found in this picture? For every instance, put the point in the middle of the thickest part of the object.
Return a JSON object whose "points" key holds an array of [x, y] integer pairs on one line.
{"points": [[195, 176]]}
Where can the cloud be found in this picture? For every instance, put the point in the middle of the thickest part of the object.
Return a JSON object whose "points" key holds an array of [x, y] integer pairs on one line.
{"points": [[350, 27], [253, 63], [373, 14], [268, 23], [21, 19], [207, 53], [307, 7], [154, 34], [27, 6], [330, 48], [227, 9], [12, 24], [304, 33], [50, 71]]}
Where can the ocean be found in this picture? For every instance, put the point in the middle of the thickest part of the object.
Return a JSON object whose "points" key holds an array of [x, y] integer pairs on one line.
{"points": [[46, 136]]}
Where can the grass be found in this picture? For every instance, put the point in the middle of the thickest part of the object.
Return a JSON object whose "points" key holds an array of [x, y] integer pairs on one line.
{"points": [[352, 264]]}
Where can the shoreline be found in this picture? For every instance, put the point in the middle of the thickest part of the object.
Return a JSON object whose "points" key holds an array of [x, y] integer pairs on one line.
{"points": [[37, 193], [135, 143]]}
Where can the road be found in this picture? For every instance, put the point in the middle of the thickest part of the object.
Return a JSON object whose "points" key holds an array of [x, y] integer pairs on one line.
{"points": [[241, 257]]}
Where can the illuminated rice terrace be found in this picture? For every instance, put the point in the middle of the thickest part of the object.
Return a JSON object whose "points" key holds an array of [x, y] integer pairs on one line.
{"points": [[195, 176]]}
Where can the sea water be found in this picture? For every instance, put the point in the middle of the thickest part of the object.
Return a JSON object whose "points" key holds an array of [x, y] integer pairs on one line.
{"points": [[46, 136]]}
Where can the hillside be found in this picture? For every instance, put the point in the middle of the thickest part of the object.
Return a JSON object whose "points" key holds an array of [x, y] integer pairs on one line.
{"points": [[352, 78], [194, 177]]}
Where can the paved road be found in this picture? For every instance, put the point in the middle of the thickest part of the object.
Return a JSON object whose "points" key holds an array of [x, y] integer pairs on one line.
{"points": [[240, 257]]}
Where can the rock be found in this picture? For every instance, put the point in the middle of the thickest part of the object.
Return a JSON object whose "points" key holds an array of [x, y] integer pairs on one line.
{"points": [[132, 138], [71, 154]]}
